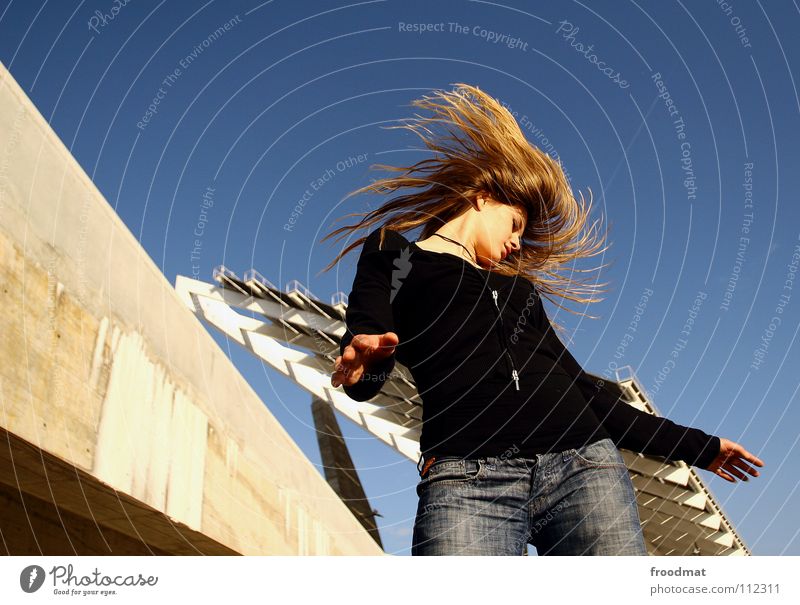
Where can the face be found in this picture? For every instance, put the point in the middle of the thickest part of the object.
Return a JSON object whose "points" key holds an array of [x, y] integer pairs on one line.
{"points": [[500, 230]]}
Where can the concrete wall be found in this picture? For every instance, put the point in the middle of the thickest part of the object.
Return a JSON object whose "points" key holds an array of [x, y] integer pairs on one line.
{"points": [[112, 391]]}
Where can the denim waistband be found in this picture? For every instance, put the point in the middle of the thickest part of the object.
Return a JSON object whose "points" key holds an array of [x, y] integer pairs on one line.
{"points": [[491, 461], [510, 454]]}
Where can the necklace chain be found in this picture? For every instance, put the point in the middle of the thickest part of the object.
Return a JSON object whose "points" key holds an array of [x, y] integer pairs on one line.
{"points": [[459, 243]]}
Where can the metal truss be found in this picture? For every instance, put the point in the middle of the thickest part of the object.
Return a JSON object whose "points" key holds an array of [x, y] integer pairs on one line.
{"points": [[679, 514], [298, 335]]}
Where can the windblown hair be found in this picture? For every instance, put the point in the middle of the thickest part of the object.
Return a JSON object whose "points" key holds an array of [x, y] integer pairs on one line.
{"points": [[488, 153]]}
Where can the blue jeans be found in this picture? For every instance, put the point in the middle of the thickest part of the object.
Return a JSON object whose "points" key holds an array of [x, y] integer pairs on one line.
{"points": [[576, 502]]}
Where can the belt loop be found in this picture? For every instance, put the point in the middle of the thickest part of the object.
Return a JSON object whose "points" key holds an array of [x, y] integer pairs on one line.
{"points": [[476, 464]]}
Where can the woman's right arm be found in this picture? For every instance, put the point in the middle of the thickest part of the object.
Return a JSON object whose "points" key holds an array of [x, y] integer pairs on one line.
{"points": [[369, 312]]}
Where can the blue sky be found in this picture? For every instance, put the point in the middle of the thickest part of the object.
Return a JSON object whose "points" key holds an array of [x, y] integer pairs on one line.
{"points": [[699, 101]]}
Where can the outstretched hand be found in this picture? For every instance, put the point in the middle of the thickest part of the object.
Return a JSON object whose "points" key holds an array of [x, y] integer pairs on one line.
{"points": [[362, 352], [732, 460]]}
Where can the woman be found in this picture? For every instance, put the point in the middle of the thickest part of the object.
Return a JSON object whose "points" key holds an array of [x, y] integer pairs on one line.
{"points": [[518, 444]]}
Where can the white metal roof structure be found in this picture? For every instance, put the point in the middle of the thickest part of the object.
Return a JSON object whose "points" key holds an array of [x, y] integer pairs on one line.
{"points": [[298, 335]]}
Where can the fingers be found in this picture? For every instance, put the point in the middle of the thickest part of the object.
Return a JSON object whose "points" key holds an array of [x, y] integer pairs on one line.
{"points": [[739, 463], [363, 343], [370, 344], [341, 368], [346, 375], [730, 469], [336, 377], [357, 355], [733, 462], [735, 448], [738, 458], [748, 456], [350, 353], [724, 475], [346, 368], [389, 340]]}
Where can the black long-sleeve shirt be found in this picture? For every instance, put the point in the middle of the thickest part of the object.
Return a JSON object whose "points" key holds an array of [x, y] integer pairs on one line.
{"points": [[492, 374]]}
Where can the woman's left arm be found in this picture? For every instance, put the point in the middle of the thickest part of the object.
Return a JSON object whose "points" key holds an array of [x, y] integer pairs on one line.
{"points": [[635, 429], [643, 432]]}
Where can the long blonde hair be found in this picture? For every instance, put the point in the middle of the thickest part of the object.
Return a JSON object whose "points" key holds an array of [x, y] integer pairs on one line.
{"points": [[488, 153]]}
